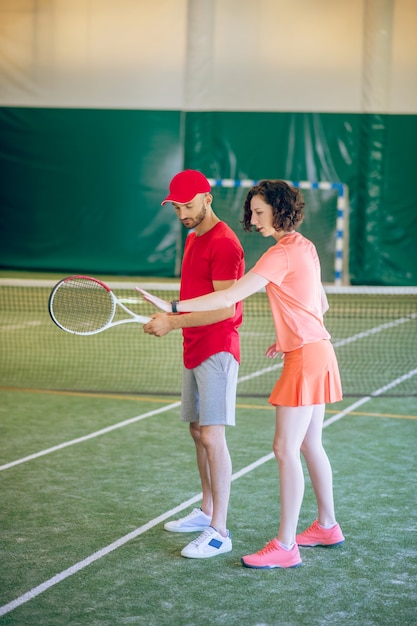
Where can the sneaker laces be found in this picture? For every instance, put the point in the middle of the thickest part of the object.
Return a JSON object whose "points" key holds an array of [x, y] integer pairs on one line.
{"points": [[191, 515], [270, 547], [313, 529], [204, 536]]}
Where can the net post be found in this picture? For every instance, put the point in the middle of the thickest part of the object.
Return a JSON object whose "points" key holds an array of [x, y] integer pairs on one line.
{"points": [[342, 237]]}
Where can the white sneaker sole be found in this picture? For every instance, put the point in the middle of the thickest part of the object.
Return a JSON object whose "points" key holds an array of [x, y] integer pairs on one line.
{"points": [[194, 554], [184, 529]]}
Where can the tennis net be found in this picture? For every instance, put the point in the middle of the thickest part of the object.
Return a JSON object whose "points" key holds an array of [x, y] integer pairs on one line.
{"points": [[374, 332]]}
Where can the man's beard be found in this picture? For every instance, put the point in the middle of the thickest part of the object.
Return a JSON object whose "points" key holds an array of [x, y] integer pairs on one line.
{"points": [[197, 220]]}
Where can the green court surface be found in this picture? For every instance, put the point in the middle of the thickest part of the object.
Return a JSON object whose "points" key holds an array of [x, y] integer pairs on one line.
{"points": [[87, 481]]}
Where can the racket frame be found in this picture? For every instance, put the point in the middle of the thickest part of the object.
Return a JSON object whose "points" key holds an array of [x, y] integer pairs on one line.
{"points": [[141, 319]]}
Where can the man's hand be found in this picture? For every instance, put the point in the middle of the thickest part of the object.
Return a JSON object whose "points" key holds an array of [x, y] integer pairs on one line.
{"points": [[159, 325]]}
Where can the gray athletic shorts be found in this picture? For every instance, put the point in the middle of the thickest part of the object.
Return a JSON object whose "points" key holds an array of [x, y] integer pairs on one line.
{"points": [[209, 391]]}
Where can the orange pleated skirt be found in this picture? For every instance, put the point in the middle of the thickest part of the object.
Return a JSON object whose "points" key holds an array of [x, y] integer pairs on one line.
{"points": [[310, 376]]}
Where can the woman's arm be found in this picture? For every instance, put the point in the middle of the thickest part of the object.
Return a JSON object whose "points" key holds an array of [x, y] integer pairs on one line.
{"points": [[241, 289], [163, 323], [324, 301]]}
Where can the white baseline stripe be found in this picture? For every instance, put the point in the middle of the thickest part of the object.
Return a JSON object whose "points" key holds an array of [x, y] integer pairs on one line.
{"points": [[337, 344], [97, 433], [373, 331], [108, 429], [8, 327], [336, 417], [36, 591], [265, 370], [250, 376]]}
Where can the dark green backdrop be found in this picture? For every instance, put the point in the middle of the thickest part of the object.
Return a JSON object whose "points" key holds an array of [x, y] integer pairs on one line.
{"points": [[81, 189]]}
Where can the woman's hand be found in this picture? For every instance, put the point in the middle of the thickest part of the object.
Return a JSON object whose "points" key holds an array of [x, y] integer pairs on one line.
{"points": [[163, 305], [272, 352]]}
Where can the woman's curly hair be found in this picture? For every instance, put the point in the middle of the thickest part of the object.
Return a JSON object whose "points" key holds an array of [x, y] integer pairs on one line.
{"points": [[287, 204]]}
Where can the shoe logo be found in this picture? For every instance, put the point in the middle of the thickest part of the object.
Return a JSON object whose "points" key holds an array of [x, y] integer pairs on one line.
{"points": [[215, 543]]}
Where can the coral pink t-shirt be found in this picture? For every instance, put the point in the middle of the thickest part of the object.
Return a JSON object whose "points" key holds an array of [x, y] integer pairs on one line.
{"points": [[292, 268], [216, 255]]}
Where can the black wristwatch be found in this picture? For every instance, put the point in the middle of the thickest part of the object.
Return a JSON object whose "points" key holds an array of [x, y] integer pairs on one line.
{"points": [[174, 306]]}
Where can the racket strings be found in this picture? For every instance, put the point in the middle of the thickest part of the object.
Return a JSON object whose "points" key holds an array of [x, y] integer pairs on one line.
{"points": [[82, 305]]}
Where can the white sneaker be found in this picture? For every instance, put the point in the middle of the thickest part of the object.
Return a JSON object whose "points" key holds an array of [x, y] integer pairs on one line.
{"points": [[196, 521], [209, 543]]}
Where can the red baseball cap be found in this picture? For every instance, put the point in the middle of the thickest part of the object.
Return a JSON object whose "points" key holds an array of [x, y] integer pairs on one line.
{"points": [[186, 185]]}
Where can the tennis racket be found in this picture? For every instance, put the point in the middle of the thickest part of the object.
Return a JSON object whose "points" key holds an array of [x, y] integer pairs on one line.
{"points": [[86, 306]]}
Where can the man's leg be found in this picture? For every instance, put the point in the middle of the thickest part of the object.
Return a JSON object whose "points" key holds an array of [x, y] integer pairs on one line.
{"points": [[198, 519], [213, 439], [216, 380], [203, 469]]}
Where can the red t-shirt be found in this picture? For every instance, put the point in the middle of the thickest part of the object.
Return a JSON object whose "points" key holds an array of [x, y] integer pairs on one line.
{"points": [[216, 255]]}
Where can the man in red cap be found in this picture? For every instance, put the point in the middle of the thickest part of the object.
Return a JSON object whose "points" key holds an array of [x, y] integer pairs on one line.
{"points": [[212, 261]]}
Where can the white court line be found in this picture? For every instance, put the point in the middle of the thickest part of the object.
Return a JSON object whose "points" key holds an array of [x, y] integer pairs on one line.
{"points": [[108, 429], [339, 343], [77, 567], [338, 416], [376, 329], [97, 433], [255, 374], [7, 327]]}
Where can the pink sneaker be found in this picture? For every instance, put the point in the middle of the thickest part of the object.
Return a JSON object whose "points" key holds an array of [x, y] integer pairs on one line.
{"points": [[273, 555], [316, 535]]}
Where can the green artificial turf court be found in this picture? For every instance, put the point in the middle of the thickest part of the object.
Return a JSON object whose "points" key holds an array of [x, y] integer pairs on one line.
{"points": [[87, 480]]}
